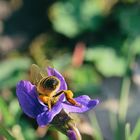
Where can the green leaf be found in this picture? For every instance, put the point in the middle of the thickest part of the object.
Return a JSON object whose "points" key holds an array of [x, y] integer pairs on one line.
{"points": [[27, 130], [62, 136], [72, 17], [5, 133], [106, 61], [13, 70], [85, 79], [7, 116], [129, 19], [136, 132], [136, 45], [62, 20], [127, 131]]}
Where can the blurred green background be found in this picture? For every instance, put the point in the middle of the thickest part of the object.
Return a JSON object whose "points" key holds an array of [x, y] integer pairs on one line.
{"points": [[95, 44]]}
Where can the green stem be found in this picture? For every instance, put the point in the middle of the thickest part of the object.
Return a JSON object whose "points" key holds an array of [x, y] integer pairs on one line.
{"points": [[65, 124], [124, 99], [136, 132], [124, 93], [94, 122], [127, 131]]}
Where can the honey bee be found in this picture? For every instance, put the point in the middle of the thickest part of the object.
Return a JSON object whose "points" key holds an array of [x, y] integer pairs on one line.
{"points": [[47, 87]]}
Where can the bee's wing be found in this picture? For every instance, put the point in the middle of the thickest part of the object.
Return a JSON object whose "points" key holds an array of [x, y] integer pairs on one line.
{"points": [[48, 64], [36, 74]]}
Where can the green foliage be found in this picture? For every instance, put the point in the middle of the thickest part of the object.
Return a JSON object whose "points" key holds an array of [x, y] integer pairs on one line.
{"points": [[7, 115], [12, 70], [84, 81], [5, 133], [129, 20], [135, 135], [73, 17], [110, 31], [136, 132], [106, 61]]}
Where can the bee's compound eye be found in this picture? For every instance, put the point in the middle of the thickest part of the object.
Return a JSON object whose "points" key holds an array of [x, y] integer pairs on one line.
{"points": [[50, 83]]}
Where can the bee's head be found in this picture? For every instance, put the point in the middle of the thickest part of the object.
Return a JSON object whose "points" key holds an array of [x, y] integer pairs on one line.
{"points": [[51, 83]]}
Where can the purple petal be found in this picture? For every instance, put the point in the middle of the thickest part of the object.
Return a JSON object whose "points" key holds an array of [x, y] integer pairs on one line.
{"points": [[27, 98], [46, 117], [54, 72], [71, 135], [85, 102]]}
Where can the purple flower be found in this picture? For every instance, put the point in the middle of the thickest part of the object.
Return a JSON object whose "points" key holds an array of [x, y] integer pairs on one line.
{"points": [[71, 134], [33, 107]]}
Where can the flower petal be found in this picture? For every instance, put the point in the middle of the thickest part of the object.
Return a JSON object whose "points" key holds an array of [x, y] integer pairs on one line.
{"points": [[54, 72], [71, 135], [27, 98], [85, 102], [46, 117]]}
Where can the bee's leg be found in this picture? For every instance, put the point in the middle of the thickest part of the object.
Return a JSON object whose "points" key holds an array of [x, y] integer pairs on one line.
{"points": [[49, 105], [69, 97], [46, 100]]}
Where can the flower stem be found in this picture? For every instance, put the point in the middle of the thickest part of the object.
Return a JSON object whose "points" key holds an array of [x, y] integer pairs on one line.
{"points": [[65, 124]]}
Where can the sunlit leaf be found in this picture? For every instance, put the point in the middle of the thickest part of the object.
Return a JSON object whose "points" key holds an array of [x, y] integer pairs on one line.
{"points": [[106, 61], [127, 132], [72, 17], [136, 45]]}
